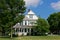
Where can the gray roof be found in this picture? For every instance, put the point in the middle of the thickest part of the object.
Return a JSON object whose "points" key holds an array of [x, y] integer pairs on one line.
{"points": [[22, 26], [26, 18]]}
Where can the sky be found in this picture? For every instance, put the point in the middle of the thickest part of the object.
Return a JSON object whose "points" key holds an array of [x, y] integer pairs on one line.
{"points": [[43, 8]]}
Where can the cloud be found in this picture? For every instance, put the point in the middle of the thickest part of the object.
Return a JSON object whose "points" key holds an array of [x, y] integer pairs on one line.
{"points": [[56, 5], [33, 2]]}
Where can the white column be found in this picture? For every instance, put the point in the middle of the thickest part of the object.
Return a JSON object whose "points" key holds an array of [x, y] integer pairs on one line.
{"points": [[15, 29], [27, 22], [23, 30], [19, 29], [23, 22], [27, 30], [30, 31]]}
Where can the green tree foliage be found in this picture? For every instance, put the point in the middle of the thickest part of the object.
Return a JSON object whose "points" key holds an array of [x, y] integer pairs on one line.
{"points": [[41, 27], [54, 21], [11, 12]]}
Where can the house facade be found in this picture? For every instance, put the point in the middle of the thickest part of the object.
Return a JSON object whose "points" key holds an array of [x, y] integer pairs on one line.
{"points": [[26, 25]]}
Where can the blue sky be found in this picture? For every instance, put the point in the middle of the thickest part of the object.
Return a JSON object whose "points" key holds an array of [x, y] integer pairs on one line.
{"points": [[43, 8]]}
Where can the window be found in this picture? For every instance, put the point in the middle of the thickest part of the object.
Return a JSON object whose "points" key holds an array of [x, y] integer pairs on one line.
{"points": [[30, 16], [25, 23], [31, 22], [17, 30], [25, 30]]}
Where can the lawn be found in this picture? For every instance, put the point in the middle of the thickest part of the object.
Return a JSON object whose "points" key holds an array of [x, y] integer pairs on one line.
{"points": [[33, 38]]}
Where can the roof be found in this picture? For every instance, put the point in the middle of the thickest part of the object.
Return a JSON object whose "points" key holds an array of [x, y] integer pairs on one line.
{"points": [[29, 19], [22, 26], [17, 25], [31, 12]]}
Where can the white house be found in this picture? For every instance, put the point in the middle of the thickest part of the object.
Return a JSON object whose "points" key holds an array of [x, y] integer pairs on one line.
{"points": [[26, 25]]}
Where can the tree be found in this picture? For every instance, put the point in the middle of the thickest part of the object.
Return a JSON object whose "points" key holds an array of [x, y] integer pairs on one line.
{"points": [[11, 12], [54, 21], [41, 27]]}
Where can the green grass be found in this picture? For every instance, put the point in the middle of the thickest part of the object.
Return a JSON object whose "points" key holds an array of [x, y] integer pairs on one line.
{"points": [[33, 38]]}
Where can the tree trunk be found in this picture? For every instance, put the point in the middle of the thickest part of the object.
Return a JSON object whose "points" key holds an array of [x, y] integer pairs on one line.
{"points": [[11, 31]]}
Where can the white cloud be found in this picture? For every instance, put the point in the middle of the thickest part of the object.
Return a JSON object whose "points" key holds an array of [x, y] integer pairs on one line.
{"points": [[56, 5], [33, 2]]}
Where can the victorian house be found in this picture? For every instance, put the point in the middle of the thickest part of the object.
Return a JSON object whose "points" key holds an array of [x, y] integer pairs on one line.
{"points": [[26, 25]]}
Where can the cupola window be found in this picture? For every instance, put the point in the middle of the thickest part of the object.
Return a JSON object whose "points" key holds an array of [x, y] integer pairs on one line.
{"points": [[30, 16]]}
